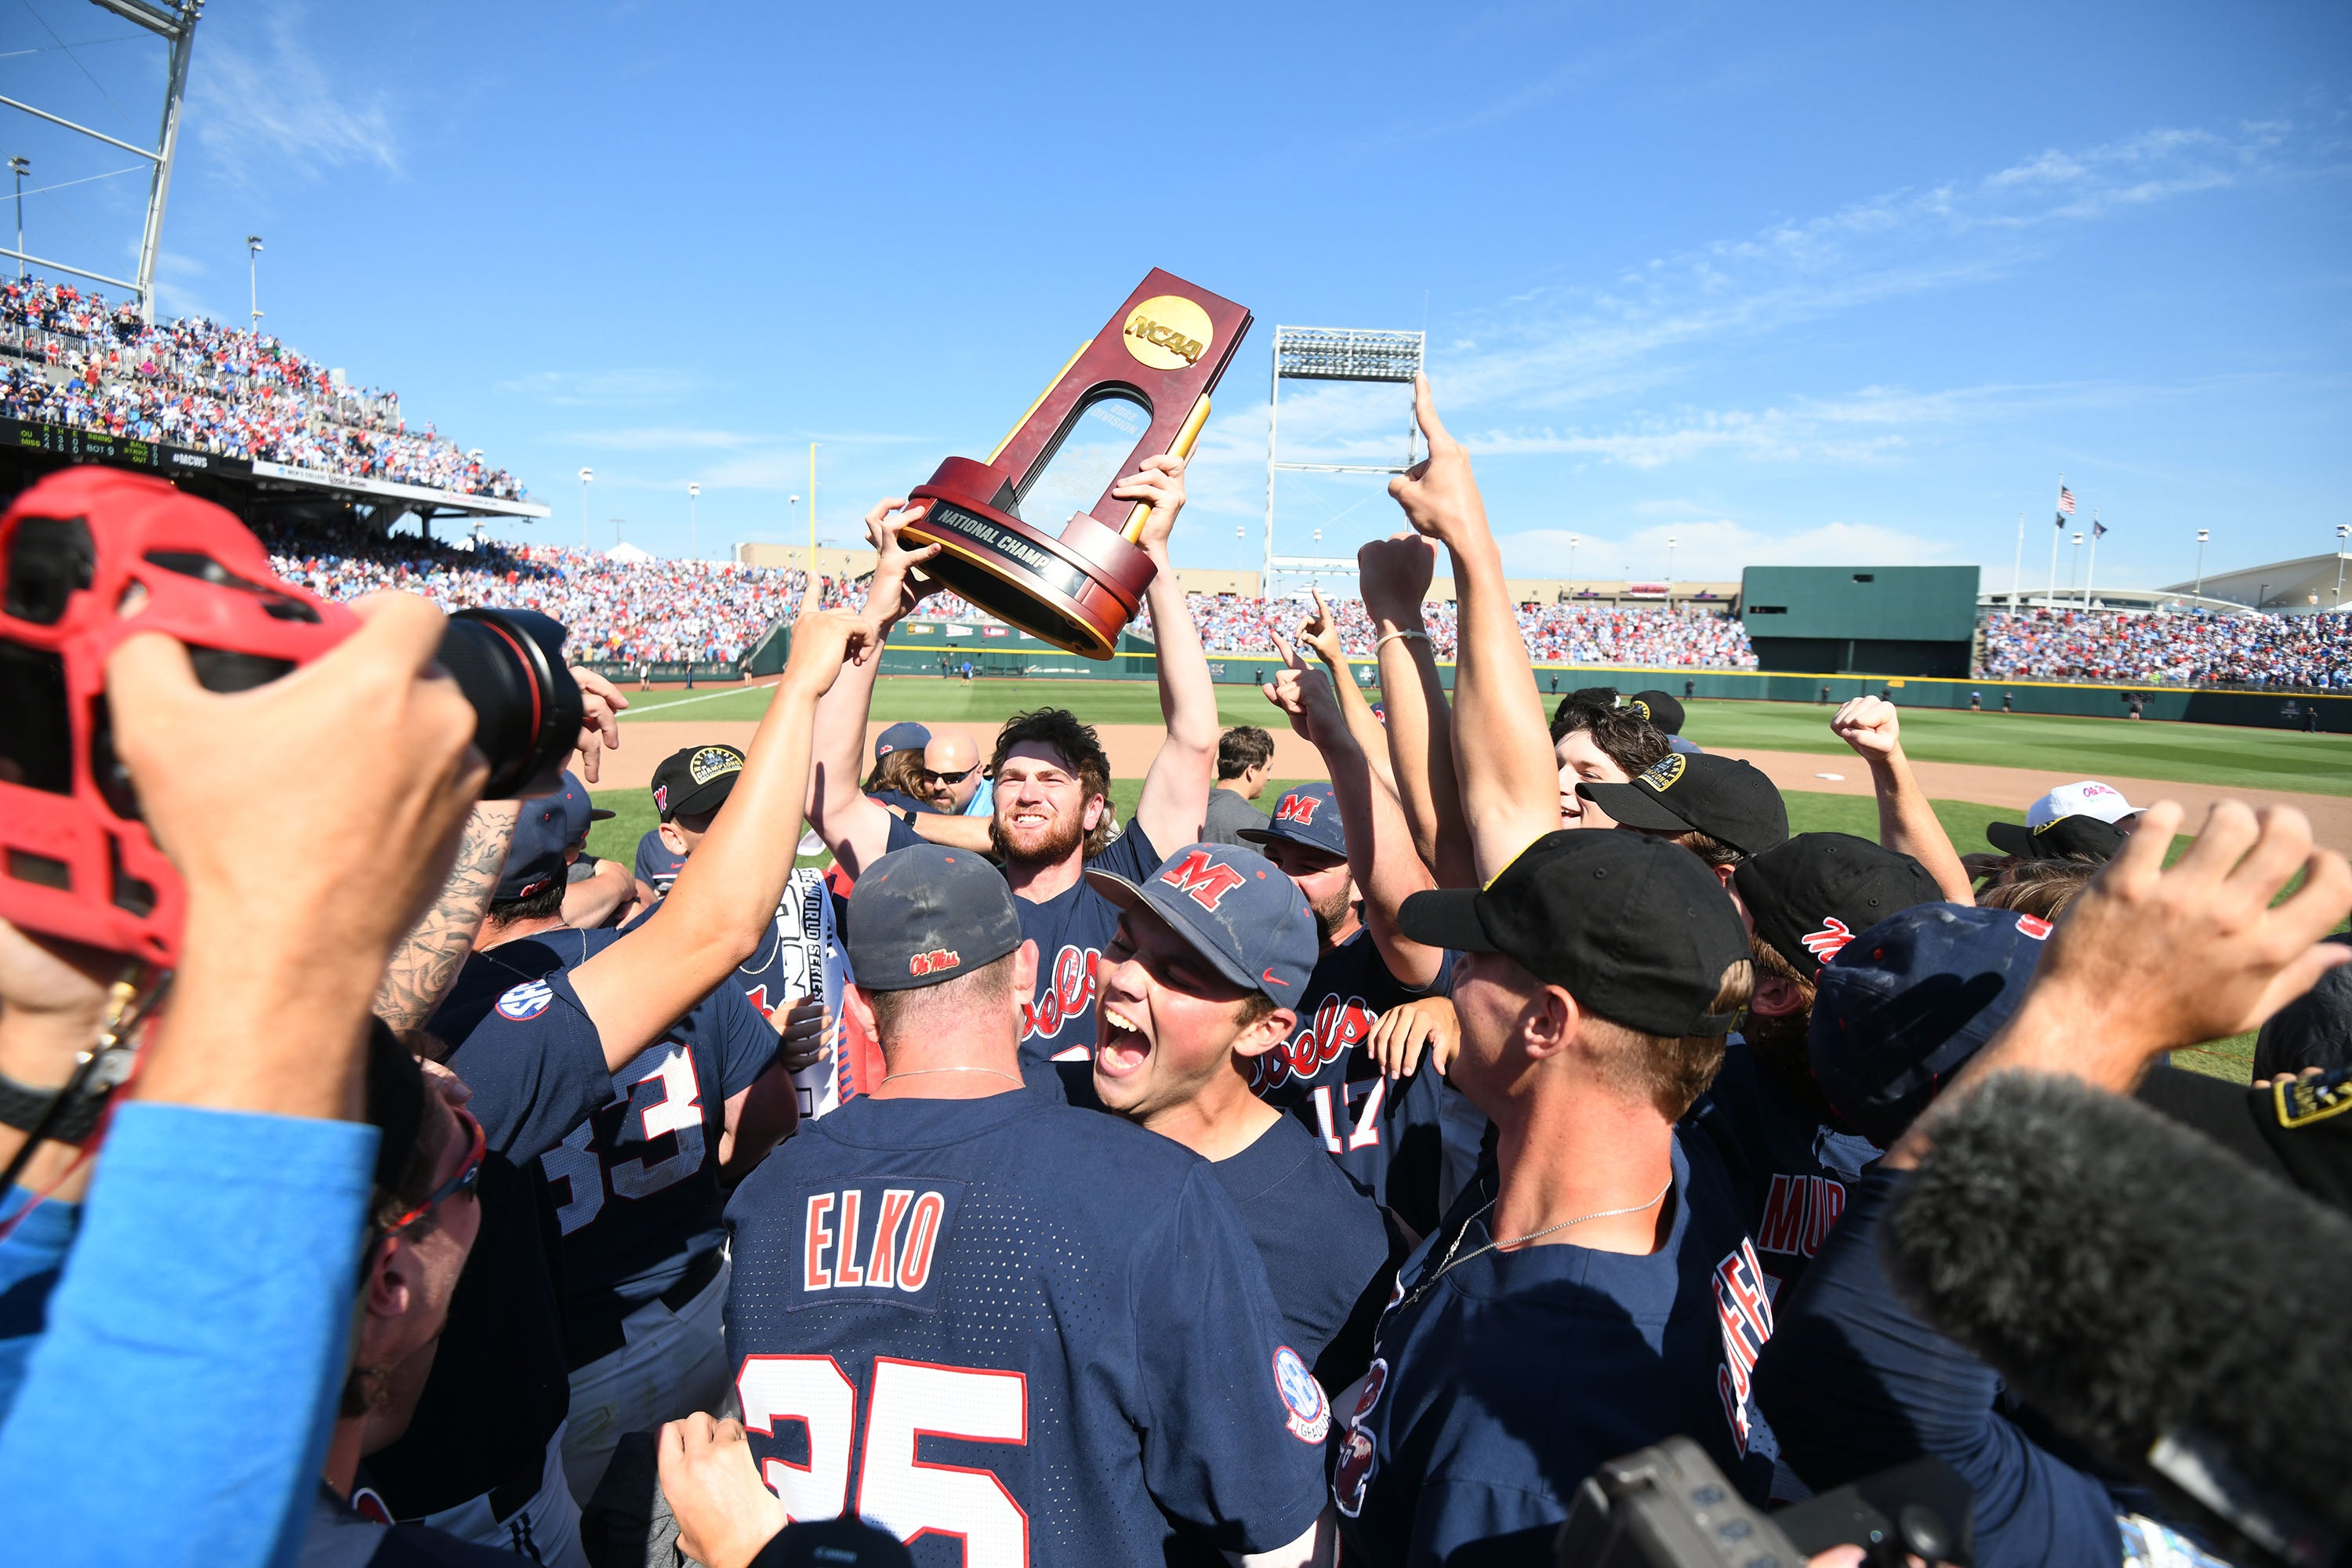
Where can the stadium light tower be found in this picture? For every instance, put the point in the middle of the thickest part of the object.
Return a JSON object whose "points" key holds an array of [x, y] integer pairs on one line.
{"points": [[2202, 535], [1332, 353], [1571, 565], [587, 477], [253, 279], [693, 493], [20, 166], [1241, 537], [2343, 532], [1670, 571]]}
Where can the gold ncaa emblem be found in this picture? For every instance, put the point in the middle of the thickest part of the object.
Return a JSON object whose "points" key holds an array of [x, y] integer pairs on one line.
{"points": [[1661, 775], [1167, 331]]}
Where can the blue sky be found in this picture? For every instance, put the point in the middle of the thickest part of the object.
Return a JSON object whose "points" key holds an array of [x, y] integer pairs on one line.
{"points": [[1833, 284]]}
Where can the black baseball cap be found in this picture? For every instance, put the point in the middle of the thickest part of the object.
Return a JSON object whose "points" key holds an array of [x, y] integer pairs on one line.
{"points": [[1906, 1004], [2054, 840], [1235, 908], [1661, 711], [536, 856], [927, 914], [1635, 928], [696, 778], [1815, 894], [1722, 797]]}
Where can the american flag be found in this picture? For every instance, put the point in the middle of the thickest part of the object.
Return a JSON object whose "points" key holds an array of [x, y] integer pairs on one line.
{"points": [[2065, 500]]}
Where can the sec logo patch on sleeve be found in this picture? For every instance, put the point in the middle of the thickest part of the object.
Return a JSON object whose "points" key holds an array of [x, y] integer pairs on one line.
{"points": [[1307, 1412], [526, 1000]]}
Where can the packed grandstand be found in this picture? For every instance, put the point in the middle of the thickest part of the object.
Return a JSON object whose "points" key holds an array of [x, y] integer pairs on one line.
{"points": [[81, 362], [69, 357], [632, 611]]}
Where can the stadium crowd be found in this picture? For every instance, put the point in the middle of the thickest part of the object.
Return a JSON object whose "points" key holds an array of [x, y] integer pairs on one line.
{"points": [[1566, 633], [1518, 1100], [79, 362], [2186, 647]]}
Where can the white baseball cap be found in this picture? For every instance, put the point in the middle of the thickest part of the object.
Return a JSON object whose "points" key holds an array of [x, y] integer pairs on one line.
{"points": [[2084, 797]]}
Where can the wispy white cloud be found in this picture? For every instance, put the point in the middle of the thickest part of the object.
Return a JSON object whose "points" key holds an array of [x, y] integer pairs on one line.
{"points": [[617, 386], [1546, 552], [276, 105]]}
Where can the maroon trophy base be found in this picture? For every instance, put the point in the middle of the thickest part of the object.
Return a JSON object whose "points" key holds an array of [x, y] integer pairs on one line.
{"points": [[1077, 592]]}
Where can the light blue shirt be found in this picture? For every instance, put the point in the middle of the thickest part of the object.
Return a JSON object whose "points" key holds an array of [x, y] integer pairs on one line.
{"points": [[177, 1408]]}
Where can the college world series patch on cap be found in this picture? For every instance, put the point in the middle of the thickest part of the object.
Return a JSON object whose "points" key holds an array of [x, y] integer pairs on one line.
{"points": [[1665, 772], [1307, 1412], [709, 762]]}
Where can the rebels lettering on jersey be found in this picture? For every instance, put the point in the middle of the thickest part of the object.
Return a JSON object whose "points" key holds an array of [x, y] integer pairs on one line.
{"points": [[1744, 1307], [882, 1236], [1790, 1171], [1066, 989]]}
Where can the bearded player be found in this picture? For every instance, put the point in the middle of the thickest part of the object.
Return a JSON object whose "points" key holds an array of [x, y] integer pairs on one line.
{"points": [[1052, 817]]}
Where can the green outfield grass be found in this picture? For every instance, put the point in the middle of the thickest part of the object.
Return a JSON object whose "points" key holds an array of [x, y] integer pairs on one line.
{"points": [[2090, 748], [2193, 753]]}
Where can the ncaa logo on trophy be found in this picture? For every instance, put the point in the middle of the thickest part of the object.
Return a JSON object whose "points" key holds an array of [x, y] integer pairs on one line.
{"points": [[1139, 388]]}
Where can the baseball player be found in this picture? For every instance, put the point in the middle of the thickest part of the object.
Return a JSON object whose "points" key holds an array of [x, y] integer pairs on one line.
{"points": [[1052, 791], [482, 1458], [1346, 847], [1604, 1293], [595, 889], [1005, 1330], [1201, 981], [636, 1186]]}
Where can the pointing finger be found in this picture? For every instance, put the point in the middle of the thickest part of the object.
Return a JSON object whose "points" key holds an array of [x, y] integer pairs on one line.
{"points": [[1424, 413]]}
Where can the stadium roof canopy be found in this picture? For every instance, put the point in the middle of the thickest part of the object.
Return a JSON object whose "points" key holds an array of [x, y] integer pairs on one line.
{"points": [[2307, 585]]}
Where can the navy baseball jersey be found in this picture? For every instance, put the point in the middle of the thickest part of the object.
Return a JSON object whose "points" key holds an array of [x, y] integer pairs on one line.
{"points": [[635, 1183], [1057, 1029], [658, 864], [1322, 1238], [1012, 1332], [1790, 1169], [1386, 1133], [1498, 1383]]}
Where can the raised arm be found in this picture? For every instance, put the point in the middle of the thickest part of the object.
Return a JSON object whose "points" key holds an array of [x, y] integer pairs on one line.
{"points": [[1395, 575], [425, 963], [854, 825], [1502, 747], [726, 895], [1320, 632], [1907, 824], [2149, 958], [1175, 799], [1380, 846]]}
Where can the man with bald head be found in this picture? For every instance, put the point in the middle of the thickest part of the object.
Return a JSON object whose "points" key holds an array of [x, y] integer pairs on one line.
{"points": [[951, 768]]}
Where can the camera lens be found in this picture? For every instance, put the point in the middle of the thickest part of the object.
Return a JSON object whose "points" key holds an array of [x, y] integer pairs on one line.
{"points": [[527, 708]]}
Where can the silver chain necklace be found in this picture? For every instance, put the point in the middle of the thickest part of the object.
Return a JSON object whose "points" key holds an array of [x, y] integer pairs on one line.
{"points": [[1451, 1261]]}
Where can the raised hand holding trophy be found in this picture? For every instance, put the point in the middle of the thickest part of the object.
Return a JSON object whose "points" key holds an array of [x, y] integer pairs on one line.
{"points": [[1159, 357]]}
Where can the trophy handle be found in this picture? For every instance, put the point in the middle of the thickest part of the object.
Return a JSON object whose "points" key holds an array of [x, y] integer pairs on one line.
{"points": [[1180, 447]]}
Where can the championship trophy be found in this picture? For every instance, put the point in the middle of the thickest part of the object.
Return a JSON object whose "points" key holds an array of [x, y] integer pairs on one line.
{"points": [[1149, 369]]}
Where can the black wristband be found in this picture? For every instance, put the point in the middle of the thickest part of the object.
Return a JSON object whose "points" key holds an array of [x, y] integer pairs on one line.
{"points": [[22, 1107]]}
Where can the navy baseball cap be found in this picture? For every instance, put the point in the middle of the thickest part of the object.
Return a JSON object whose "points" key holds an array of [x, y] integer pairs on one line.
{"points": [[1635, 928], [926, 914], [579, 811], [903, 736], [535, 859], [1237, 910], [1723, 797], [1308, 814], [1909, 1000]]}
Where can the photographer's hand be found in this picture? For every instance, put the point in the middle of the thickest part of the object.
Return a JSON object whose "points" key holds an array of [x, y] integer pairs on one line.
{"points": [[307, 849]]}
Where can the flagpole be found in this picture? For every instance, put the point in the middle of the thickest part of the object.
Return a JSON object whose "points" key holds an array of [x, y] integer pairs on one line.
{"points": [[2057, 527], [2016, 566], [2090, 570]]}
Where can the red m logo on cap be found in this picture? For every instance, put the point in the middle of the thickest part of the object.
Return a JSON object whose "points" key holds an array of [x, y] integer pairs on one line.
{"points": [[1828, 942], [1206, 880], [1298, 808]]}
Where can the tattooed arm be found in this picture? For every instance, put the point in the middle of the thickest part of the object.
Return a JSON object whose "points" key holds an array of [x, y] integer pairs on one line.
{"points": [[428, 960]]}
